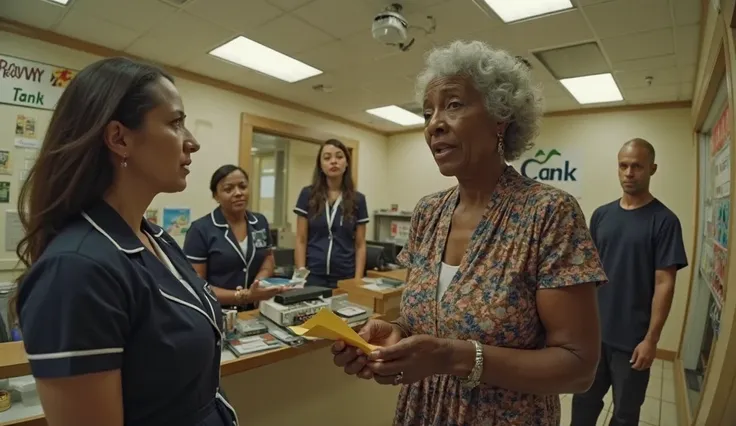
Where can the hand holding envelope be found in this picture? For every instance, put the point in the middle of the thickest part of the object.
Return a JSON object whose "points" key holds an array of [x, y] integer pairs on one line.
{"points": [[326, 325]]}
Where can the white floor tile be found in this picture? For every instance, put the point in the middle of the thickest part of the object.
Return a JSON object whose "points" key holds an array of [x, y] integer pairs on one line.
{"points": [[668, 390], [650, 411], [669, 414], [654, 389]]}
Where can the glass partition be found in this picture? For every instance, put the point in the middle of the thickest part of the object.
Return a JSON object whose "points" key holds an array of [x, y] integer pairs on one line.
{"points": [[708, 287]]}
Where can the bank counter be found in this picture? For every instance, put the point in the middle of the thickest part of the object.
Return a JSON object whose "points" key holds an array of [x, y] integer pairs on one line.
{"points": [[285, 386], [383, 300]]}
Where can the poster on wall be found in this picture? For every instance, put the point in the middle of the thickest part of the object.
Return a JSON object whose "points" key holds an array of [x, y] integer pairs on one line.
{"points": [[25, 132], [32, 84], [176, 221], [720, 260], [723, 208], [5, 164], [152, 216], [722, 172], [4, 192], [13, 230], [720, 135], [555, 167]]}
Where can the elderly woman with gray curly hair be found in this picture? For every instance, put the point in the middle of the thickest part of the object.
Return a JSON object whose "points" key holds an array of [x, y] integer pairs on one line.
{"points": [[499, 313]]}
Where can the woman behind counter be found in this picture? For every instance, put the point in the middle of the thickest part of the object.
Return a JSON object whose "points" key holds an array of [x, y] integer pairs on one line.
{"points": [[118, 328], [499, 312], [231, 247], [331, 220]]}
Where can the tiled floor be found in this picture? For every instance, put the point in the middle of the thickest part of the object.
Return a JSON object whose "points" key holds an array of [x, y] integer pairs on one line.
{"points": [[658, 409]]}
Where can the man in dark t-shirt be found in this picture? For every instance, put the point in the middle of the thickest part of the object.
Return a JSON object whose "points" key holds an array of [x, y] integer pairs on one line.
{"points": [[640, 245]]}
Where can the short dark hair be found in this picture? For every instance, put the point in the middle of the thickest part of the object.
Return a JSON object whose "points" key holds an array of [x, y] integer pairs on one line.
{"points": [[221, 173], [643, 143]]}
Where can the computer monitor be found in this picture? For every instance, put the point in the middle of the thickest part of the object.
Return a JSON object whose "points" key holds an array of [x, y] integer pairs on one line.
{"points": [[283, 257], [390, 250]]}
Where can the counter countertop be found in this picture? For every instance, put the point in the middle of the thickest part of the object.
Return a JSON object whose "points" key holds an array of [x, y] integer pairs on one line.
{"points": [[397, 274], [13, 363]]}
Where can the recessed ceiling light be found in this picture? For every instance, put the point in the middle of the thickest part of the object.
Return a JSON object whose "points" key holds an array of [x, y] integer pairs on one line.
{"points": [[248, 53], [593, 89], [61, 2], [397, 115], [516, 10]]}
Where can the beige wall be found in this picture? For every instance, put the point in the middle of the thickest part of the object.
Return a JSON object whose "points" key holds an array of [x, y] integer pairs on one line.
{"points": [[213, 116], [595, 139], [397, 169]]}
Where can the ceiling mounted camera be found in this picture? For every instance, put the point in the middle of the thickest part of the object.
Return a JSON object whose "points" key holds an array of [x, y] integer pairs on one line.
{"points": [[392, 29]]}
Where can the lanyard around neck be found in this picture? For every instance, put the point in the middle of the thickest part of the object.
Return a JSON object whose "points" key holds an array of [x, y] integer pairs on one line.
{"points": [[330, 214]]}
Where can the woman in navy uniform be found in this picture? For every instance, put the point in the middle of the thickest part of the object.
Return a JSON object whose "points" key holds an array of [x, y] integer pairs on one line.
{"points": [[118, 328], [231, 247], [331, 220]]}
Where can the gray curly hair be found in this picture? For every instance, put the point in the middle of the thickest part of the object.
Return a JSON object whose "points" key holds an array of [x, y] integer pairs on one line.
{"points": [[505, 82]]}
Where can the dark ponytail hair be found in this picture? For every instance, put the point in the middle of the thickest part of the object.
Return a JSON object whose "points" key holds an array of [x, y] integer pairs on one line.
{"points": [[74, 167]]}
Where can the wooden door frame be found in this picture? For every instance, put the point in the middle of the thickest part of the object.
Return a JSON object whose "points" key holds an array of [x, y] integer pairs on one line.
{"points": [[251, 124]]}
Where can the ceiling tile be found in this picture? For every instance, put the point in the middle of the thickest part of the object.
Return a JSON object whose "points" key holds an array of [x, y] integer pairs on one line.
{"points": [[137, 15], [339, 18], [637, 79], [213, 67], [687, 39], [589, 2], [85, 27], [686, 91], [237, 15], [288, 5], [652, 94], [179, 39], [454, 19], [652, 63], [574, 61], [38, 13], [554, 89], [639, 46], [628, 16], [557, 30], [687, 72], [560, 103], [358, 49], [686, 11], [288, 35]]}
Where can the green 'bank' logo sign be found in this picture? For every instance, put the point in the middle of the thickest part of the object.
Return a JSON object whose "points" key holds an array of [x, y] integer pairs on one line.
{"points": [[549, 167]]}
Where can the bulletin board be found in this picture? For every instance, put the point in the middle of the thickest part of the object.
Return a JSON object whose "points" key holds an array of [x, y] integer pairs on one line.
{"points": [[716, 188], [21, 133]]}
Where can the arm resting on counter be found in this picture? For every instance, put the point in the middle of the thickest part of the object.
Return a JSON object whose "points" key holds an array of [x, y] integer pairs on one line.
{"points": [[566, 365], [87, 400]]}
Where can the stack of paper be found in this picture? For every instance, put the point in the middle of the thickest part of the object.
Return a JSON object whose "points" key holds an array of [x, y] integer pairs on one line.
{"points": [[326, 325]]}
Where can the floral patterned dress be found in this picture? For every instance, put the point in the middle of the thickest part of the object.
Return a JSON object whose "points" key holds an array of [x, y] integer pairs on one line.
{"points": [[531, 237]]}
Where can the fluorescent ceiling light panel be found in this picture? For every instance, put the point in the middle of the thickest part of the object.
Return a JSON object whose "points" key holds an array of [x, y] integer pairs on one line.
{"points": [[593, 89], [516, 10], [397, 115], [248, 53], [61, 2]]}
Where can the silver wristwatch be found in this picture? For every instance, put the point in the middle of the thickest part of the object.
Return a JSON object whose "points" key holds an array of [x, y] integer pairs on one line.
{"points": [[473, 378]]}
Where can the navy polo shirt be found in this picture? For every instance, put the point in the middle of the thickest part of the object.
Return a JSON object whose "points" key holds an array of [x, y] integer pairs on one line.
{"points": [[331, 239], [209, 240], [97, 300]]}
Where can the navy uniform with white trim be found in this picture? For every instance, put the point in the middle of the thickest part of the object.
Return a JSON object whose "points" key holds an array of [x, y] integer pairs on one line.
{"points": [[331, 239], [230, 263], [97, 300]]}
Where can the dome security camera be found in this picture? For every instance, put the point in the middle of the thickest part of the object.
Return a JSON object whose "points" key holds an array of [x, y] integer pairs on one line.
{"points": [[390, 27]]}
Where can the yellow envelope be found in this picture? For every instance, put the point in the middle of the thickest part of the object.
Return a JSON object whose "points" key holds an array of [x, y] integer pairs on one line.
{"points": [[326, 325]]}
